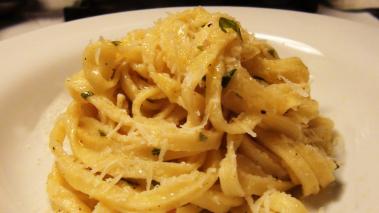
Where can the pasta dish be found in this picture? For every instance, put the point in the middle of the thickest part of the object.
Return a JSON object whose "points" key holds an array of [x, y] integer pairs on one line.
{"points": [[193, 114]]}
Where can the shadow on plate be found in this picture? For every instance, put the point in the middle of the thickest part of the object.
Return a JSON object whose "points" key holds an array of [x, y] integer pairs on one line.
{"points": [[330, 194]]}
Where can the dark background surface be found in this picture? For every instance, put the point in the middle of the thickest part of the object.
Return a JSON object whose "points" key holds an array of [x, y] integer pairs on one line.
{"points": [[95, 7], [16, 11]]}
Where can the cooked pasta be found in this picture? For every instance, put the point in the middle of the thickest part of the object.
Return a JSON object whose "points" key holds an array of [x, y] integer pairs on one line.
{"points": [[191, 114]]}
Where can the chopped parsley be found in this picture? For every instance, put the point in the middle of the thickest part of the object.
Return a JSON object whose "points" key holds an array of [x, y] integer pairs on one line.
{"points": [[200, 47], [86, 94], [202, 137], [116, 43], [227, 77], [156, 151], [225, 23], [102, 133], [273, 53], [337, 165]]}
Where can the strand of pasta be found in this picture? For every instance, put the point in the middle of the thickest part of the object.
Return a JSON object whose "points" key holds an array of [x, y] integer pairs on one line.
{"points": [[192, 114], [213, 103], [81, 179]]}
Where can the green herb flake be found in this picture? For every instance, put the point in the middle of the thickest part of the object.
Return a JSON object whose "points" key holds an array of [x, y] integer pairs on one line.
{"points": [[86, 94], [202, 137], [225, 23], [227, 77], [273, 53], [200, 47], [116, 43], [156, 151], [337, 165], [102, 133]]}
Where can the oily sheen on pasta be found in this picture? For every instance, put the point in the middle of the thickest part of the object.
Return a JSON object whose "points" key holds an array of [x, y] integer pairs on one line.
{"points": [[189, 115]]}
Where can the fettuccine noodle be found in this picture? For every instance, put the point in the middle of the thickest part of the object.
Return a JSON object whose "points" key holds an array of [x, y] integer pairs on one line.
{"points": [[191, 114]]}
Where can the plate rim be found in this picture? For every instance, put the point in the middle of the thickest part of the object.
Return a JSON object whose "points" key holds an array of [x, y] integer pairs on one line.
{"points": [[174, 9], [160, 11]]}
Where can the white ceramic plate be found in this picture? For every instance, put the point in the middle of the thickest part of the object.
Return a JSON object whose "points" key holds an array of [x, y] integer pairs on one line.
{"points": [[343, 58]]}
